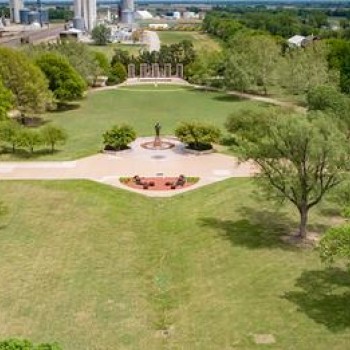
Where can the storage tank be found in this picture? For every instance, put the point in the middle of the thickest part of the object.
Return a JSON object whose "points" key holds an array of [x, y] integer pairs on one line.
{"points": [[33, 16], [44, 16], [127, 17], [23, 16], [78, 23]]}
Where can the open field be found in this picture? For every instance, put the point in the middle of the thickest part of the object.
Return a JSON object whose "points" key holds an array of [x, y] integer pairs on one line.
{"points": [[97, 268], [201, 41], [108, 50], [140, 107]]}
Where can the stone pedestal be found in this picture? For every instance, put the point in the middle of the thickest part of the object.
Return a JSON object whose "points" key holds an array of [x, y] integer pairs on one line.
{"points": [[157, 142]]}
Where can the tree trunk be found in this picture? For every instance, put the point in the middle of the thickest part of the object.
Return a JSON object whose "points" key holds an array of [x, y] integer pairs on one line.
{"points": [[304, 211], [52, 147]]}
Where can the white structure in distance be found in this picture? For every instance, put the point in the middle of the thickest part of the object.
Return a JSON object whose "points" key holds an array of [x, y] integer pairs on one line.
{"points": [[86, 10]]}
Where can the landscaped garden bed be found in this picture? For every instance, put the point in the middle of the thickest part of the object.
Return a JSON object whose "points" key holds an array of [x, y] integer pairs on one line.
{"points": [[159, 183]]}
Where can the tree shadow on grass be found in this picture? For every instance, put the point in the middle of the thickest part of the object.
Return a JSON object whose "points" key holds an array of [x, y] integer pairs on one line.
{"points": [[22, 154], [324, 296], [228, 98], [258, 229], [65, 107]]}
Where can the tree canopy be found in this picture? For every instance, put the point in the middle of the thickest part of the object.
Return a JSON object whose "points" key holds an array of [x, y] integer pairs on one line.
{"points": [[25, 80], [64, 81], [300, 158]]}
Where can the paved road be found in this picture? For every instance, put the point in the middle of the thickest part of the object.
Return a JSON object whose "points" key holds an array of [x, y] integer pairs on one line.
{"points": [[108, 169], [152, 40]]}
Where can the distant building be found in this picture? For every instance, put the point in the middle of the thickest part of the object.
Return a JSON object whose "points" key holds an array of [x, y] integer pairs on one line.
{"points": [[158, 26], [302, 41], [296, 41], [143, 15]]}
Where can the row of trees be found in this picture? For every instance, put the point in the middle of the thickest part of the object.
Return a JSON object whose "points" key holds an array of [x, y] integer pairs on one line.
{"points": [[182, 52], [256, 62], [13, 137]]}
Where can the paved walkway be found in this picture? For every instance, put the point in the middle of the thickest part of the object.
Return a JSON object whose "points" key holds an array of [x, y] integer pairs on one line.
{"points": [[108, 168], [152, 40]]}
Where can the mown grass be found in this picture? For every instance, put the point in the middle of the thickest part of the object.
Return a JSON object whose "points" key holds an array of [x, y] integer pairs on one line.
{"points": [[140, 107], [97, 268], [201, 41], [109, 49]]}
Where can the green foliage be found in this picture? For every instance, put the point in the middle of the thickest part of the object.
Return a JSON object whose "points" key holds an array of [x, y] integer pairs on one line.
{"points": [[60, 14], [249, 125], [18, 344], [197, 135], [10, 134], [299, 158], [205, 68], [81, 58], [100, 34], [52, 135], [326, 98], [335, 244], [25, 80], [345, 74], [119, 137], [102, 61], [30, 138], [117, 74], [6, 100], [251, 61], [303, 69], [64, 81]]}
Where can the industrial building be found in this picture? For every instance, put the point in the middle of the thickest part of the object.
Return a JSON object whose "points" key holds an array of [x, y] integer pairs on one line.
{"points": [[85, 14]]}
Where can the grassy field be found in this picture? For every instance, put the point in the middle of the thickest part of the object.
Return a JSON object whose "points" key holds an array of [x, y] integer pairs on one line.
{"points": [[140, 107], [200, 41], [108, 50], [97, 268]]}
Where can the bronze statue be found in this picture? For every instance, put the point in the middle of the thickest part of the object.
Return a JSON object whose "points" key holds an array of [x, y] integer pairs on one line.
{"points": [[157, 128]]}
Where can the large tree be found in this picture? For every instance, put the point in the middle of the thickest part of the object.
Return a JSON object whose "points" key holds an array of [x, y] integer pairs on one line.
{"points": [[251, 61], [303, 69], [300, 159], [25, 80], [79, 55], [64, 81]]}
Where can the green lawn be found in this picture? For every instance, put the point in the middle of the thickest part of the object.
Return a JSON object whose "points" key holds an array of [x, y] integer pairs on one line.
{"points": [[93, 267], [140, 107], [108, 50], [201, 41]]}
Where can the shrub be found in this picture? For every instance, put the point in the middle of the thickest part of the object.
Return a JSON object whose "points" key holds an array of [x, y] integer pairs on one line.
{"points": [[117, 74], [197, 136], [18, 344], [118, 137]]}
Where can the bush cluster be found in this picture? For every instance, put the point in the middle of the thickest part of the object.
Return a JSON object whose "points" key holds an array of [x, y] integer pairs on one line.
{"points": [[13, 137]]}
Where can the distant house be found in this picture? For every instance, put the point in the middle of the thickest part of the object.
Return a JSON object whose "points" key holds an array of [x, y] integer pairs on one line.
{"points": [[301, 41], [296, 41]]}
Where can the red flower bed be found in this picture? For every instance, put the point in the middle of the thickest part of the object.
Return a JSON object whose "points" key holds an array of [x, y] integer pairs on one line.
{"points": [[156, 183]]}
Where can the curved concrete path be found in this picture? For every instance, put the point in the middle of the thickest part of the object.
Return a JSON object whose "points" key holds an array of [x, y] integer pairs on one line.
{"points": [[108, 168], [152, 40]]}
